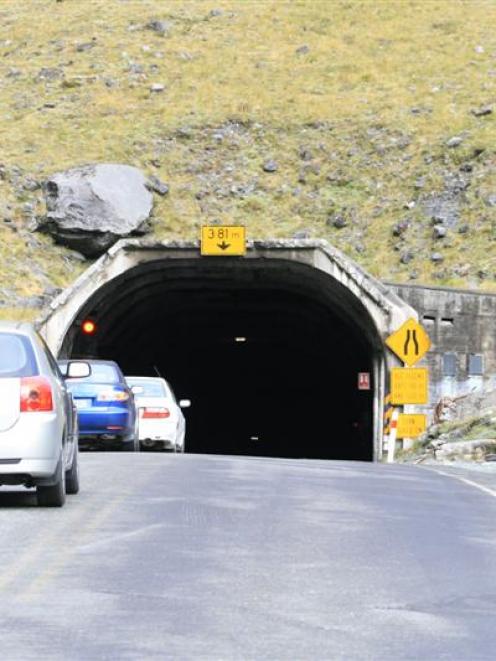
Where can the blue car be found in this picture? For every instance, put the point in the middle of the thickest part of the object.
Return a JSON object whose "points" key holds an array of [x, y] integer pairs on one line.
{"points": [[105, 405]]}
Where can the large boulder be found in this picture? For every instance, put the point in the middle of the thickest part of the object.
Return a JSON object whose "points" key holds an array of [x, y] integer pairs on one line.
{"points": [[89, 208]]}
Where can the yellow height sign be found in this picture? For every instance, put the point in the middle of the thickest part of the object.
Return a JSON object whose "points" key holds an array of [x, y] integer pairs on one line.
{"points": [[411, 425], [225, 240], [410, 342], [409, 385]]}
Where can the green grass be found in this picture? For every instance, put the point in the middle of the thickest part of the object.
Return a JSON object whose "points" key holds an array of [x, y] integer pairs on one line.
{"points": [[348, 101]]}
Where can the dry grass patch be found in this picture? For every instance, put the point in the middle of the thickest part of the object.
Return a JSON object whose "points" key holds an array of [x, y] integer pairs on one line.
{"points": [[373, 90]]}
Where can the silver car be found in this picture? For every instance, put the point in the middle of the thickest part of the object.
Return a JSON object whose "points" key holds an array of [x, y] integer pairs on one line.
{"points": [[38, 421]]}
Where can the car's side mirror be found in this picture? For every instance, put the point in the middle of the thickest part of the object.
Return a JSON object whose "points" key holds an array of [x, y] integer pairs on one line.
{"points": [[184, 403], [78, 369]]}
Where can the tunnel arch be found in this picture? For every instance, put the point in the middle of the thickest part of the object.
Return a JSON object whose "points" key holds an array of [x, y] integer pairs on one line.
{"points": [[312, 320]]}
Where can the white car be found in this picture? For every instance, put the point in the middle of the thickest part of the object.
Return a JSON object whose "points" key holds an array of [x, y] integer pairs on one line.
{"points": [[161, 422], [38, 420]]}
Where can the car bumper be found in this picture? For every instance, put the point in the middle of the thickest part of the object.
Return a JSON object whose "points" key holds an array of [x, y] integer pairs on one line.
{"points": [[157, 430], [27, 471], [35, 437], [115, 421]]}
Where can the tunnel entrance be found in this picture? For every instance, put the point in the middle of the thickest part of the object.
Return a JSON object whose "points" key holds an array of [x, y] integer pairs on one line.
{"points": [[271, 368], [268, 348]]}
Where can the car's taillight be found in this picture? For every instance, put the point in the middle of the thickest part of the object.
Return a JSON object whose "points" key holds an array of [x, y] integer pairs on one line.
{"points": [[36, 394], [113, 396], [150, 412]]}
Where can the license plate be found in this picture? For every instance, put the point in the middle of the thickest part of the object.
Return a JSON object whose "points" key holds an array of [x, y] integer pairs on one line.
{"points": [[83, 403]]}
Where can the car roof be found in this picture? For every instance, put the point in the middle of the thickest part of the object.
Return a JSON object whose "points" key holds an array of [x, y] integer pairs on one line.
{"points": [[146, 378], [154, 379], [91, 361], [19, 326]]}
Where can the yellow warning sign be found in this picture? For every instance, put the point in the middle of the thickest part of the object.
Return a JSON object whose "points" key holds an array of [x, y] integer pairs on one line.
{"points": [[223, 240], [409, 385], [410, 342], [411, 425]]}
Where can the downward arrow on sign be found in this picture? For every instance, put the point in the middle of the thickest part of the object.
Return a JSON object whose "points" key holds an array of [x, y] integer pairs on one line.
{"points": [[223, 245]]}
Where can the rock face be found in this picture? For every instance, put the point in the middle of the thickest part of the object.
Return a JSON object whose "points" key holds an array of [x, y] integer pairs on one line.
{"points": [[91, 207]]}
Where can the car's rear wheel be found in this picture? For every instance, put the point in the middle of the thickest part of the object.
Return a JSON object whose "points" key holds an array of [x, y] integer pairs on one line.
{"points": [[53, 495], [72, 476]]}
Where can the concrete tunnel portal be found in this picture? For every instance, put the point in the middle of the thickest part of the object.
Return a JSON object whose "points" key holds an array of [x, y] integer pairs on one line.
{"points": [[268, 348]]}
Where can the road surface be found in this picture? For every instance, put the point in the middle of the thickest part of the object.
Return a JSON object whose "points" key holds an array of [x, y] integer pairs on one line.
{"points": [[209, 557]]}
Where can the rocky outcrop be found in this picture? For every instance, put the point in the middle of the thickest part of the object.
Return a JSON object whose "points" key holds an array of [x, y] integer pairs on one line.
{"points": [[480, 449], [89, 208]]}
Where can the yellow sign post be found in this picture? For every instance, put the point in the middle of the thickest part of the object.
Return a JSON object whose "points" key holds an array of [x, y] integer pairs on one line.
{"points": [[409, 385], [411, 425], [410, 342], [226, 240]]}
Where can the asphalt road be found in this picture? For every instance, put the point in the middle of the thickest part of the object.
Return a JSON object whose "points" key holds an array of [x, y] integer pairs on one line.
{"points": [[204, 557]]}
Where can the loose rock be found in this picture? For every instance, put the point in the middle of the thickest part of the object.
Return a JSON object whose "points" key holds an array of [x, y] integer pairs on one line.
{"points": [[91, 207], [401, 227], [159, 27], [305, 154], [338, 221], [439, 231], [49, 73], [482, 111], [270, 166], [157, 186], [157, 88], [455, 141], [136, 68], [81, 48]]}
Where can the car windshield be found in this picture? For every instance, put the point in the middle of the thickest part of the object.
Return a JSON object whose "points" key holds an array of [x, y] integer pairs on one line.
{"points": [[147, 388], [100, 373], [16, 356]]}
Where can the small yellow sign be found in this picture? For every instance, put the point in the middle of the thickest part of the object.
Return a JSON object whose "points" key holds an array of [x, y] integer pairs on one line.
{"points": [[410, 342], [223, 240], [409, 385], [411, 425]]}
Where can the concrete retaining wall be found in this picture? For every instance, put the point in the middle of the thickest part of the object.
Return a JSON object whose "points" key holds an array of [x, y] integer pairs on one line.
{"points": [[462, 328]]}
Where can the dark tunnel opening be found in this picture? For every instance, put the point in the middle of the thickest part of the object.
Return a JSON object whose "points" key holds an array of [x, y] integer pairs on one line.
{"points": [[268, 351]]}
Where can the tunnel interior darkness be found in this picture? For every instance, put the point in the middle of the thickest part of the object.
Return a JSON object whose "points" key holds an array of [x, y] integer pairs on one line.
{"points": [[268, 351]]}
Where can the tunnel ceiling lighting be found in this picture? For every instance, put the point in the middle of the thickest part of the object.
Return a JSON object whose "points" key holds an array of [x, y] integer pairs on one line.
{"points": [[88, 327], [240, 338]]}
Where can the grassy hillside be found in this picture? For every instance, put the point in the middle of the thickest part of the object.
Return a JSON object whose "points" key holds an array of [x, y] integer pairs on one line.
{"points": [[355, 101]]}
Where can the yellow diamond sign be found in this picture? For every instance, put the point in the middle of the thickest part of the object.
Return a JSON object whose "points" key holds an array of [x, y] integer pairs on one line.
{"points": [[411, 425], [409, 385], [410, 342], [223, 240]]}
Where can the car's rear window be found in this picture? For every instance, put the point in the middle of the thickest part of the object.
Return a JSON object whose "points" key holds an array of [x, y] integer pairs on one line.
{"points": [[149, 388], [17, 357], [100, 373]]}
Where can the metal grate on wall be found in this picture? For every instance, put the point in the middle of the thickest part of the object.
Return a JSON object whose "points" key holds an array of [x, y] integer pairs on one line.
{"points": [[475, 364], [449, 364]]}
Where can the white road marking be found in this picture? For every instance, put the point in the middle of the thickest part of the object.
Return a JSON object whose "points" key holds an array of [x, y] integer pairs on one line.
{"points": [[490, 492]]}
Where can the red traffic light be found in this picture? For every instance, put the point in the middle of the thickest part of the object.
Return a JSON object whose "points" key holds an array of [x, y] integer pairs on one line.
{"points": [[88, 327]]}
